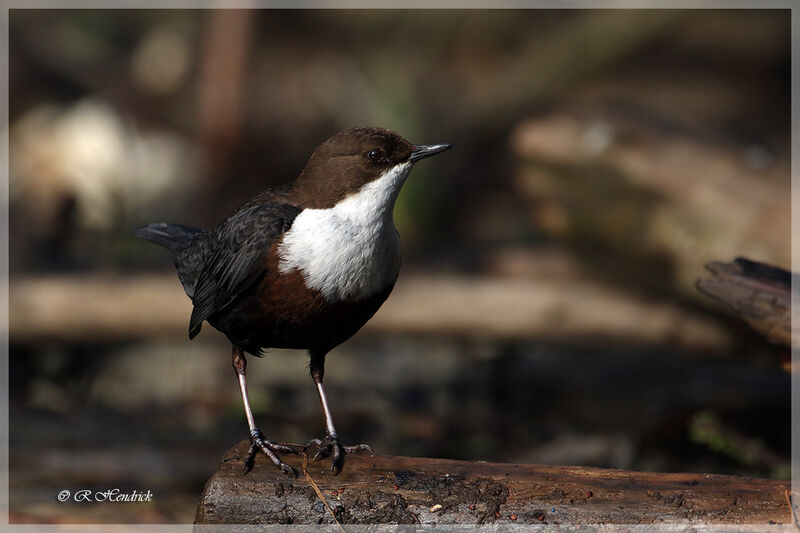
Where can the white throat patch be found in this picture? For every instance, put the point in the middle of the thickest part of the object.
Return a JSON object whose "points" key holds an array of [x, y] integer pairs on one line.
{"points": [[350, 251]]}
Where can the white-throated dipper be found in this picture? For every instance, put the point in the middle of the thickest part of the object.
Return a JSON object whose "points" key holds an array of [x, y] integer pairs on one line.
{"points": [[301, 266]]}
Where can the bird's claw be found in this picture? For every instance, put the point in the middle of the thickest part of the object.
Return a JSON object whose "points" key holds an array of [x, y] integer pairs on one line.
{"points": [[331, 447], [249, 459], [288, 470], [259, 442], [360, 448]]}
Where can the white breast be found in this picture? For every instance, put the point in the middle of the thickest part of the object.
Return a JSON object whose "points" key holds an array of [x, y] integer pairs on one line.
{"points": [[350, 251]]}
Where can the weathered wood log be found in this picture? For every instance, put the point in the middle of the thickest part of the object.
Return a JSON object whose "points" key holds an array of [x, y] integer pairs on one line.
{"points": [[104, 308], [759, 293], [409, 490]]}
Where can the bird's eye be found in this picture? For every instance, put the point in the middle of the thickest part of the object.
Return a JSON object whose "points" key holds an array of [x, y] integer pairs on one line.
{"points": [[375, 155]]}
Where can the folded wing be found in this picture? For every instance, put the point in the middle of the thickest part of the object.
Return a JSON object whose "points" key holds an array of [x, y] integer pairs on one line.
{"points": [[238, 257]]}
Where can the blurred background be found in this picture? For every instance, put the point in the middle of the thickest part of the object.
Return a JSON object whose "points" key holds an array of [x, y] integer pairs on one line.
{"points": [[546, 309]]}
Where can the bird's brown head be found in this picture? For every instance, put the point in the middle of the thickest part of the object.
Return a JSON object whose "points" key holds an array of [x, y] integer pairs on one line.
{"points": [[352, 158]]}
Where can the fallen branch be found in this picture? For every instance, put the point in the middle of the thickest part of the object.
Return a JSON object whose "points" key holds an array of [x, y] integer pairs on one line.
{"points": [[100, 308], [759, 293]]}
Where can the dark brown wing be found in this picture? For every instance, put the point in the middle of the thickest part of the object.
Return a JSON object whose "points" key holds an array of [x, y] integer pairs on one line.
{"points": [[237, 259]]}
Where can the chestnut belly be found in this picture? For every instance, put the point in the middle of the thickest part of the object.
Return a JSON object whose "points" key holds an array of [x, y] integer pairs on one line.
{"points": [[281, 312]]}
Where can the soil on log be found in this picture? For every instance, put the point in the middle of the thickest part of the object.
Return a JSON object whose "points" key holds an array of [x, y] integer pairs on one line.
{"points": [[381, 489]]}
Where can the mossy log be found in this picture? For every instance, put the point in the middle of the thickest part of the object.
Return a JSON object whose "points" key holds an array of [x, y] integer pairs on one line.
{"points": [[384, 489]]}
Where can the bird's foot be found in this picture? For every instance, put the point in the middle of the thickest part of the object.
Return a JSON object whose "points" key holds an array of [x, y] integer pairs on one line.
{"points": [[259, 442], [331, 446]]}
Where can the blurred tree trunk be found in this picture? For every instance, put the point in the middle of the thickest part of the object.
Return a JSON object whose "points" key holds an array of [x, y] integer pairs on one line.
{"points": [[221, 85]]}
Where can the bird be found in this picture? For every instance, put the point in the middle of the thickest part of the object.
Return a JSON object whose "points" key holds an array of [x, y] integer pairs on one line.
{"points": [[300, 266]]}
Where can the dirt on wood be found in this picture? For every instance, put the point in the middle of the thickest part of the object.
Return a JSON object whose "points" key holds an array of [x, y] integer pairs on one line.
{"points": [[406, 490]]}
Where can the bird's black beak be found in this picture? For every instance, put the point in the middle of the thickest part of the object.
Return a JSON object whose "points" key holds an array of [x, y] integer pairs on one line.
{"points": [[421, 151]]}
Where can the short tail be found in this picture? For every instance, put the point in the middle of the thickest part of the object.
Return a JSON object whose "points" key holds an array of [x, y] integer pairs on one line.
{"points": [[171, 236], [188, 247]]}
